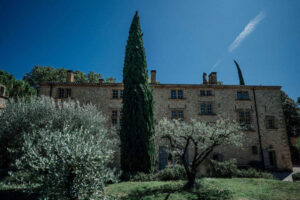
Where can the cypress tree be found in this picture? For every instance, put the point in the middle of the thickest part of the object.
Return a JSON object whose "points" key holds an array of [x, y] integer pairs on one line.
{"points": [[137, 126], [240, 73]]}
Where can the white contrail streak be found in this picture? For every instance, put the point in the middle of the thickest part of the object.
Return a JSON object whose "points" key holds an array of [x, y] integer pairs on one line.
{"points": [[215, 65], [247, 30]]}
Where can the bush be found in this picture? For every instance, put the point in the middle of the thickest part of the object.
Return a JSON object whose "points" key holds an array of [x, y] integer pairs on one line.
{"points": [[142, 177], [170, 173], [62, 148], [229, 169], [296, 176], [67, 164], [226, 169], [25, 116], [252, 173], [176, 172]]}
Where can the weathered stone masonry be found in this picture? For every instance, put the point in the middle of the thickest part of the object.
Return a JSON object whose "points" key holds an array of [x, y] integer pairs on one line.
{"points": [[255, 106]]}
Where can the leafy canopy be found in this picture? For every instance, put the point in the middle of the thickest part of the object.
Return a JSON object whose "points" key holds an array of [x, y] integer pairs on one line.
{"points": [[199, 137]]}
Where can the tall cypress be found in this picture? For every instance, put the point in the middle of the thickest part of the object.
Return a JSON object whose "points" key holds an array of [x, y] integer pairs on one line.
{"points": [[137, 126], [240, 73]]}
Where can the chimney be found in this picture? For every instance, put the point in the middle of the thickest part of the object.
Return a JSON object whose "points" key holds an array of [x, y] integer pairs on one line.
{"points": [[204, 78], [2, 90], [101, 80], [212, 78], [70, 76], [153, 76]]}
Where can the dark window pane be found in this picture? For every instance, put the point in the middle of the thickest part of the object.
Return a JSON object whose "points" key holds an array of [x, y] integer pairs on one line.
{"points": [[180, 114], [173, 94], [271, 123], [202, 111], [68, 93], [239, 95], [114, 121], [208, 93], [246, 96], [173, 114], [202, 92], [114, 114], [115, 94], [61, 93], [180, 94], [247, 118], [121, 94], [209, 109]]}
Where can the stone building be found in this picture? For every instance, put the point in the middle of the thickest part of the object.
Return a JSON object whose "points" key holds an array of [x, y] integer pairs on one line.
{"points": [[2, 97], [257, 107]]}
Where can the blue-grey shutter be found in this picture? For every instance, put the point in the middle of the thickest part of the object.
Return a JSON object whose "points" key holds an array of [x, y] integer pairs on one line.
{"points": [[266, 158], [163, 157]]}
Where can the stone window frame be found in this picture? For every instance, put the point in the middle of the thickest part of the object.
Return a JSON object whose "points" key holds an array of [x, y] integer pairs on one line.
{"points": [[249, 126], [116, 97], [63, 93], [206, 93], [274, 121], [242, 97], [176, 96], [115, 118], [208, 106], [177, 114]]}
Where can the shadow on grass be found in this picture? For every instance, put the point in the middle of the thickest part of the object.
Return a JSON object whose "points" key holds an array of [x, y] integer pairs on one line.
{"points": [[166, 191], [17, 195]]}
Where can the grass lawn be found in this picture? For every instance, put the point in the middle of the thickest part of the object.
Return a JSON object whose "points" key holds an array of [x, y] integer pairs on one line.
{"points": [[240, 188]]}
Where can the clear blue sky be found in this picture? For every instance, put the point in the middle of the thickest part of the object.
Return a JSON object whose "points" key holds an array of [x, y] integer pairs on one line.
{"points": [[182, 38]]}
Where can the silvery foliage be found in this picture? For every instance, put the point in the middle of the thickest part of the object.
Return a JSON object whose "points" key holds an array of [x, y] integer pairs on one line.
{"points": [[64, 148], [24, 116], [198, 136]]}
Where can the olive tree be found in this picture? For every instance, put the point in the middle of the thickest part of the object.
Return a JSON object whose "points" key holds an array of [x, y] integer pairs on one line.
{"points": [[65, 148], [198, 136]]}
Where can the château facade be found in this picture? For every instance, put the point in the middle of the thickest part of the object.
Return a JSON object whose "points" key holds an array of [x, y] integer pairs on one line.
{"points": [[258, 108]]}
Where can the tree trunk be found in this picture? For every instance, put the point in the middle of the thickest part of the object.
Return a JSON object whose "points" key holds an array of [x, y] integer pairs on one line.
{"points": [[191, 181]]}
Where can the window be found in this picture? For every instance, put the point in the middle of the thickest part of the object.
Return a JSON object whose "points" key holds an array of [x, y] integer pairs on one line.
{"points": [[254, 150], [180, 114], [244, 117], [270, 121], [115, 94], [206, 109], [173, 94], [64, 93], [68, 93], [61, 93], [173, 114], [121, 94], [202, 111], [242, 95], [202, 92], [177, 114], [180, 94], [209, 108], [208, 93], [114, 117]]}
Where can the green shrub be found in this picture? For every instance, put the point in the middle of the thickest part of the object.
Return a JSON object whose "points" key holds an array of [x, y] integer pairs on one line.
{"points": [[253, 173], [226, 169], [296, 176], [229, 169], [142, 177], [176, 172], [25, 116], [63, 148]]}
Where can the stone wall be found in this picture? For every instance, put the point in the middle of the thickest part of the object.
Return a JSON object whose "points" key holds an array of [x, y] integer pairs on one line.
{"points": [[224, 104]]}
